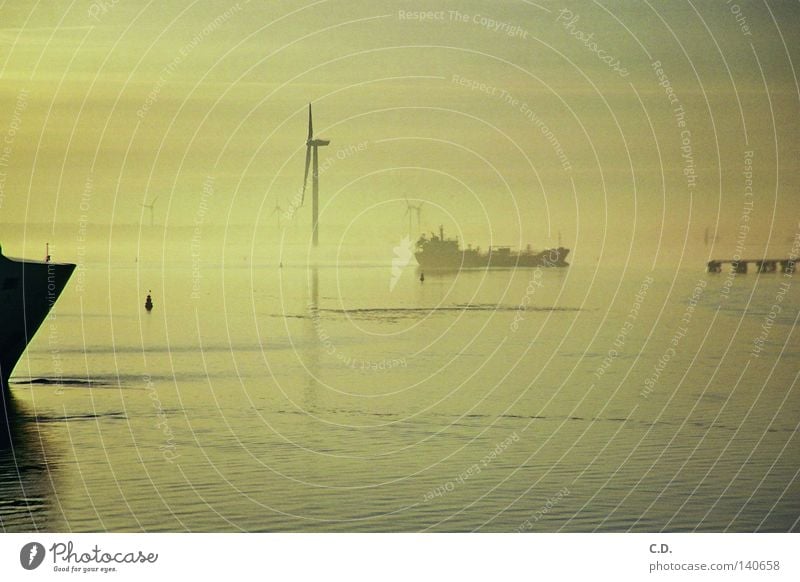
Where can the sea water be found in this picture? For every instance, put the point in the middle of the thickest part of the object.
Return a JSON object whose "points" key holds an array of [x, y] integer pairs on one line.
{"points": [[352, 396]]}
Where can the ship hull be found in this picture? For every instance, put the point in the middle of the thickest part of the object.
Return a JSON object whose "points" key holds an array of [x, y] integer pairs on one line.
{"points": [[28, 291], [430, 259]]}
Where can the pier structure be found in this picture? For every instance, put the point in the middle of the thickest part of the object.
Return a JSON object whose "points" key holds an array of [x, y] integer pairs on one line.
{"points": [[759, 265]]}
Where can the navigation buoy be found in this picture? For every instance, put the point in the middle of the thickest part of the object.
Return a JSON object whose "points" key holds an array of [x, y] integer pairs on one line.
{"points": [[148, 303]]}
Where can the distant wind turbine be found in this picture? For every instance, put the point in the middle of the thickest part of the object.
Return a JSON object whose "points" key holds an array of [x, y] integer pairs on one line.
{"points": [[278, 210], [311, 155], [707, 237], [410, 210], [150, 207]]}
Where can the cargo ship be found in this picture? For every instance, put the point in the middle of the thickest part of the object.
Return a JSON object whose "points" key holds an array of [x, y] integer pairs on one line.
{"points": [[28, 290], [440, 253]]}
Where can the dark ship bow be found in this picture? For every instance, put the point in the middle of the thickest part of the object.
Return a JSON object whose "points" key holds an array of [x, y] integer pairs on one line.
{"points": [[28, 290]]}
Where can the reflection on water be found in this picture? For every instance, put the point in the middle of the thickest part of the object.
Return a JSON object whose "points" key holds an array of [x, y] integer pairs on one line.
{"points": [[28, 481], [323, 399], [378, 312]]}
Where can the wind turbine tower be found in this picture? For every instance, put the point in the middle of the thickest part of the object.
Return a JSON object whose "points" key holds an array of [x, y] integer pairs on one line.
{"points": [[410, 209], [151, 207], [312, 146], [279, 211]]}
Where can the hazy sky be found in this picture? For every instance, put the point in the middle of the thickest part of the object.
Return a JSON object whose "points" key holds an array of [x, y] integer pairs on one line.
{"points": [[513, 120]]}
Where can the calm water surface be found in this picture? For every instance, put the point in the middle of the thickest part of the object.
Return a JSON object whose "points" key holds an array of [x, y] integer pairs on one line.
{"points": [[265, 399]]}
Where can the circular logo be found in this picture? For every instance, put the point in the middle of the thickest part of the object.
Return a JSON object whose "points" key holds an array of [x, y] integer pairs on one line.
{"points": [[31, 555]]}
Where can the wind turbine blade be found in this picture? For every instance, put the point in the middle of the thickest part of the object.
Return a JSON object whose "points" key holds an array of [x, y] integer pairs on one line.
{"points": [[310, 124], [305, 177]]}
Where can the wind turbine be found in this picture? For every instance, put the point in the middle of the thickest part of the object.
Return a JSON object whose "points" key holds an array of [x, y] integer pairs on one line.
{"points": [[150, 208], [311, 152], [277, 210], [710, 238], [410, 209]]}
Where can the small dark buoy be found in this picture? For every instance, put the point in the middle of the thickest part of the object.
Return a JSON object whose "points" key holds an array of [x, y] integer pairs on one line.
{"points": [[148, 303], [422, 277]]}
